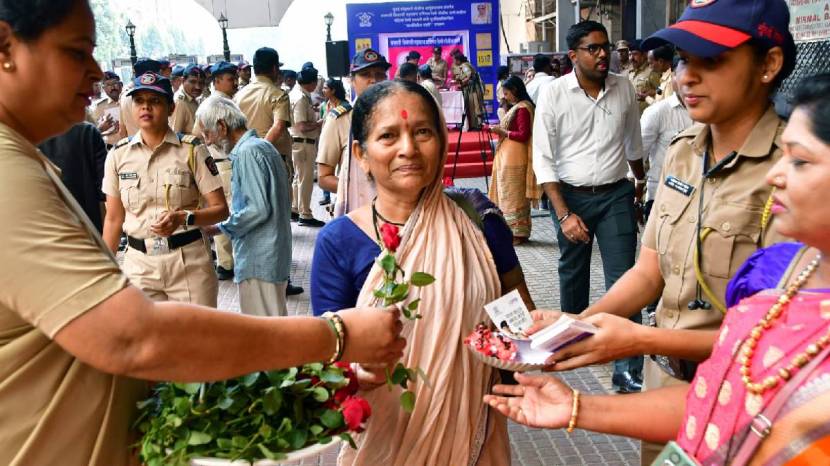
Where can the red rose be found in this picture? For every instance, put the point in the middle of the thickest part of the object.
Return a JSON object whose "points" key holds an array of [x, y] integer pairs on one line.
{"points": [[389, 235], [343, 393], [356, 411]]}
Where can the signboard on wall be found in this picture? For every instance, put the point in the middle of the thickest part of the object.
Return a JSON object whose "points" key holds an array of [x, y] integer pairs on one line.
{"points": [[809, 20], [396, 28]]}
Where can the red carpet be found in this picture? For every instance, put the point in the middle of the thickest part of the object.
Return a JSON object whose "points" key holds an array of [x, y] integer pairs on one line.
{"points": [[469, 157]]}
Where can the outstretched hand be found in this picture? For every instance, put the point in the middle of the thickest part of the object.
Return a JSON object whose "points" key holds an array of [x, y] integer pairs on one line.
{"points": [[538, 401]]}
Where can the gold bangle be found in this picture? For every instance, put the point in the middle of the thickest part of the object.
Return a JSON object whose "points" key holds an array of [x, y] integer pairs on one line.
{"points": [[336, 324], [574, 412]]}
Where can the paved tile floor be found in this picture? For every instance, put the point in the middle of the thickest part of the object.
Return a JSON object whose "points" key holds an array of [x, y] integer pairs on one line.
{"points": [[530, 447]]}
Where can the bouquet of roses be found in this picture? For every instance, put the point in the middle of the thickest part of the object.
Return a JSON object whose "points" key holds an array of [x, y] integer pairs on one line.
{"points": [[391, 291], [262, 415]]}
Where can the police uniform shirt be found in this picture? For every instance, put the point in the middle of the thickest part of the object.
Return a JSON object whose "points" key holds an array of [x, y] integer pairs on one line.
{"points": [[98, 110], [666, 89], [334, 139], [644, 80], [184, 115], [263, 103], [128, 123], [734, 200], [439, 70], [302, 111], [56, 409], [146, 180]]}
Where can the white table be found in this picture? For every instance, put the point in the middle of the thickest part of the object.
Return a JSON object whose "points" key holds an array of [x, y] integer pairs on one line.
{"points": [[453, 106]]}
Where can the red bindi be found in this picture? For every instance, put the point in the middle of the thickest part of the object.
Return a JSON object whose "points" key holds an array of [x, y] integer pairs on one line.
{"points": [[404, 115]]}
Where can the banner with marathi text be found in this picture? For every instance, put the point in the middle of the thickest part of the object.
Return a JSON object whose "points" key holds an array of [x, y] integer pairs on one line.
{"points": [[396, 28]]}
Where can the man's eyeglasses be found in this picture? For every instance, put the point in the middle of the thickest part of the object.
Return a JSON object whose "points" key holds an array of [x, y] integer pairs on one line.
{"points": [[594, 49]]}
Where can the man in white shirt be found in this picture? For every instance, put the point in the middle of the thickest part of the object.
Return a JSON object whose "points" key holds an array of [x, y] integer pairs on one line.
{"points": [[543, 75], [659, 124], [586, 135]]}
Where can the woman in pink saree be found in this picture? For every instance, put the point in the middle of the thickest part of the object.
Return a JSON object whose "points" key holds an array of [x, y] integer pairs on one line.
{"points": [[763, 397]]}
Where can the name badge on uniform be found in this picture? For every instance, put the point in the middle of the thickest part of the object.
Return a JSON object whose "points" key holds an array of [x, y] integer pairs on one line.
{"points": [[679, 185], [128, 176]]}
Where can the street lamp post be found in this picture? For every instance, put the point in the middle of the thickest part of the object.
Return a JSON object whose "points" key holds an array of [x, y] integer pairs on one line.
{"points": [[131, 32], [329, 19], [223, 23]]}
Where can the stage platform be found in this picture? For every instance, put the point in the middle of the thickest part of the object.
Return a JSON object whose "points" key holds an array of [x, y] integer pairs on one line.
{"points": [[469, 156]]}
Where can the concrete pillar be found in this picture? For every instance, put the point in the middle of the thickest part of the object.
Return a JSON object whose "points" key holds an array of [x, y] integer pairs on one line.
{"points": [[567, 14], [651, 17]]}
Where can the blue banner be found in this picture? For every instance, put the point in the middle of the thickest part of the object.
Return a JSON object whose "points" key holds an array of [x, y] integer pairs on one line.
{"points": [[395, 28]]}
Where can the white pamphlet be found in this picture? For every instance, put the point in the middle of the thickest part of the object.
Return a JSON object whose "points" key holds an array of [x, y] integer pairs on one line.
{"points": [[510, 314], [563, 332]]}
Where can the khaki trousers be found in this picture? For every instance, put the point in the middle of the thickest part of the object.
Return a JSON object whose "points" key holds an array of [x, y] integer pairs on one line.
{"points": [[304, 156], [185, 274], [224, 248], [260, 298], [653, 378]]}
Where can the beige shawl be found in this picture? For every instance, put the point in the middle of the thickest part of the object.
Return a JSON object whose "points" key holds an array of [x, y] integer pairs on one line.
{"points": [[449, 425]]}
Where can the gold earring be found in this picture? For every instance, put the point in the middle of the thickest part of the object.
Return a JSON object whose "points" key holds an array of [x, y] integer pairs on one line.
{"points": [[8, 65]]}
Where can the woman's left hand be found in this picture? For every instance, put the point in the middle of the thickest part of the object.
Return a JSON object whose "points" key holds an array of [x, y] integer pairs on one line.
{"points": [[538, 401], [167, 223], [616, 338]]}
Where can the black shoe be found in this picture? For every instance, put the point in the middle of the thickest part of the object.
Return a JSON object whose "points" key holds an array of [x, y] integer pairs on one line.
{"points": [[223, 273], [311, 222], [294, 217], [292, 290], [625, 383], [325, 201]]}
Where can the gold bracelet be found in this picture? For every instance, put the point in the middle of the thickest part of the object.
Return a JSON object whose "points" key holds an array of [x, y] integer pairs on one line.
{"points": [[336, 324], [574, 412]]}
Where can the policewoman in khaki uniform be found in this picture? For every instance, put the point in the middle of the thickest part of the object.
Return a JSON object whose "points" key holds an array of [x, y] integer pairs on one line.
{"points": [[128, 126], [184, 115], [154, 182], [711, 210], [304, 133]]}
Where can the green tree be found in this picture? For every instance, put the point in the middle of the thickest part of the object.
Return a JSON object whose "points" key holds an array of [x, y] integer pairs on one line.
{"points": [[111, 36]]}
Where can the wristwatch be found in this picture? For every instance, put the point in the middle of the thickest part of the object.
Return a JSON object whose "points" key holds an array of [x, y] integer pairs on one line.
{"points": [[640, 182], [189, 218]]}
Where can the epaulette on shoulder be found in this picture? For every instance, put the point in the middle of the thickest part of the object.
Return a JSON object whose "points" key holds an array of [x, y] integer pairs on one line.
{"points": [[690, 132], [99, 101], [189, 139], [340, 110], [121, 143]]}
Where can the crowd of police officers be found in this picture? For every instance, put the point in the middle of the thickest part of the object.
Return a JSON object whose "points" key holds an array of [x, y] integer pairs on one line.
{"points": [[162, 182]]}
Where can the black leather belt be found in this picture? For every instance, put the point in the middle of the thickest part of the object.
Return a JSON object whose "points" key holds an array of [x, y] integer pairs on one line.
{"points": [[593, 189], [305, 140], [173, 242]]}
